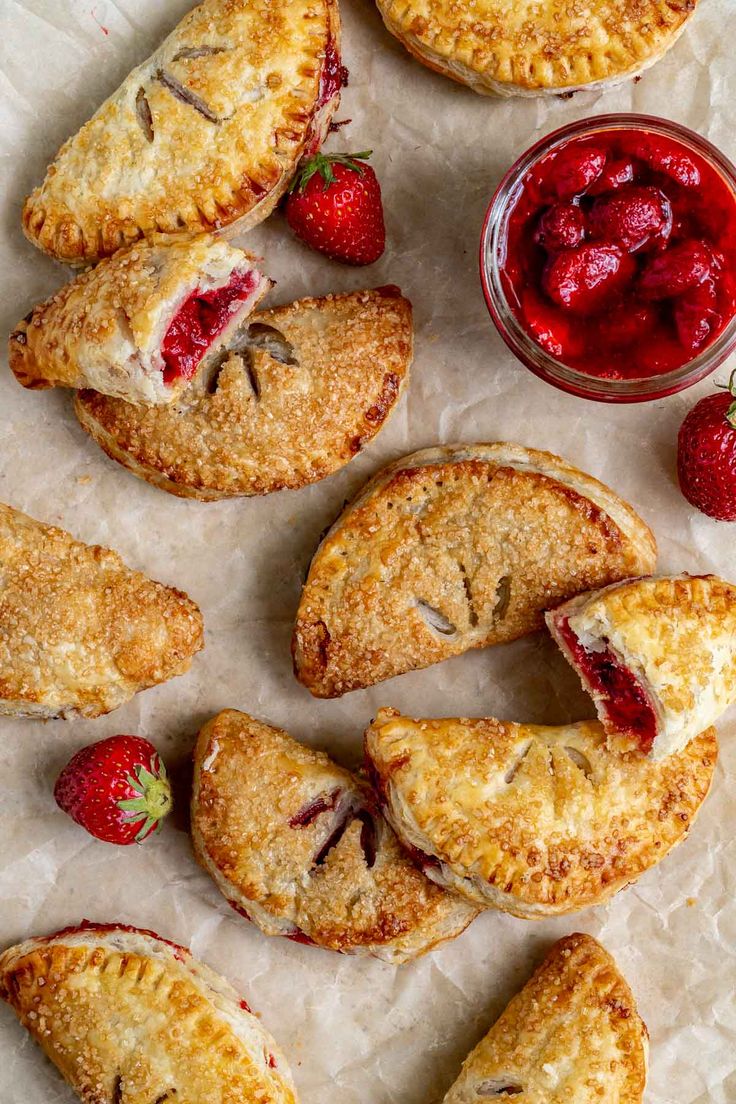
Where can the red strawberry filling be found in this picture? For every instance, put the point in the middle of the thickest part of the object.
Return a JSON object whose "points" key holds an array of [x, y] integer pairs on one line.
{"points": [[620, 257], [334, 75], [200, 321], [627, 707]]}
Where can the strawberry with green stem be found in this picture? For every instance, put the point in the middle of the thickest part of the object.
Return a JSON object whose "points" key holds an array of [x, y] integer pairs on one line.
{"points": [[334, 205], [706, 454], [117, 789]]}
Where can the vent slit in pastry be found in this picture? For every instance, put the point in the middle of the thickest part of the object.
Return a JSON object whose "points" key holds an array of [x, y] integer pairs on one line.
{"points": [[387, 588], [176, 88], [189, 53], [270, 340], [117, 1090], [253, 380], [571, 1036], [436, 619], [145, 116], [291, 841], [533, 820], [657, 655]]}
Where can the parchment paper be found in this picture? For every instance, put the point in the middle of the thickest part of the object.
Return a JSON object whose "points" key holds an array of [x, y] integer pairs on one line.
{"points": [[355, 1030]]}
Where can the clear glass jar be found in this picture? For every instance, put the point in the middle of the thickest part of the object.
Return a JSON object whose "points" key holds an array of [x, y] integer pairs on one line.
{"points": [[493, 255]]}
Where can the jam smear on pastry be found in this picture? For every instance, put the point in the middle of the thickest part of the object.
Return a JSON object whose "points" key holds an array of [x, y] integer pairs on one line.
{"points": [[131, 1018], [656, 654], [141, 324], [571, 1036], [533, 820], [453, 548], [295, 844]]}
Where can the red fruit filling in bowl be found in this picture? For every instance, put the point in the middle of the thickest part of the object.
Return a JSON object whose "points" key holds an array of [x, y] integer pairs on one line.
{"points": [[627, 707], [200, 321], [620, 254]]}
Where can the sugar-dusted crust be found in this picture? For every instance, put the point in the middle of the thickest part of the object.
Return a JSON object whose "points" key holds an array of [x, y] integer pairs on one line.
{"points": [[571, 1036], [204, 135], [332, 874], [81, 633], [454, 548], [265, 425], [531, 48], [128, 1018], [532, 820], [105, 328], [677, 634]]}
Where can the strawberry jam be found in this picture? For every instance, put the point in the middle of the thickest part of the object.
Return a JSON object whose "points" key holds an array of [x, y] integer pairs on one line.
{"points": [[199, 322], [620, 253], [627, 707]]}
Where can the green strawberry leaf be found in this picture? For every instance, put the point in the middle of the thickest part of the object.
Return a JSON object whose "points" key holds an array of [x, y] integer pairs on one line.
{"points": [[322, 163]]}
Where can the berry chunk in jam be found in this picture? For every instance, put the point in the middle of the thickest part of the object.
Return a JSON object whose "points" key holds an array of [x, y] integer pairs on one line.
{"points": [[620, 253]]}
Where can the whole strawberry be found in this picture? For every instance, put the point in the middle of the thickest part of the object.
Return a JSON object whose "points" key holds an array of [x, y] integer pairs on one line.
{"points": [[706, 455], [334, 205], [117, 789]]}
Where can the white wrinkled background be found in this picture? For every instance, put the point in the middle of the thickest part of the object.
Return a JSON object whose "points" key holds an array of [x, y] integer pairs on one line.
{"points": [[355, 1030]]}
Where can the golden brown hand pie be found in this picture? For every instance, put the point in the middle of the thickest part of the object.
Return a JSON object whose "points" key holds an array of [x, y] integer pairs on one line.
{"points": [[302, 389], [205, 134], [129, 1018], [532, 820], [658, 656], [142, 323], [455, 548], [535, 47], [571, 1036], [294, 844], [81, 633]]}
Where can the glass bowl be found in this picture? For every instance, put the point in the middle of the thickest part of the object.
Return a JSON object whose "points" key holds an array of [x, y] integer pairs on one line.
{"points": [[493, 255]]}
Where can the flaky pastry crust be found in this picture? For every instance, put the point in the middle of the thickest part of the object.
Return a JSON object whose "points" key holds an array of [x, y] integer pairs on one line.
{"points": [[536, 821], [105, 329], [294, 843], [677, 634], [531, 48], [128, 1018], [203, 135], [454, 548], [81, 633], [303, 390], [571, 1036]]}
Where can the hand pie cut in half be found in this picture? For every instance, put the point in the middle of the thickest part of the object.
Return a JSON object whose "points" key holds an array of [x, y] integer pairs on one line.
{"points": [[81, 633], [658, 656], [130, 1018], [142, 323], [295, 397], [455, 548], [295, 845], [542, 48], [571, 1036], [205, 135], [532, 820]]}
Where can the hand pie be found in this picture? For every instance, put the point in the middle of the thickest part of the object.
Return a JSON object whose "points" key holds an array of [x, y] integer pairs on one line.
{"points": [[142, 323], [506, 49], [205, 134], [293, 843], [298, 393], [571, 1036], [80, 633], [657, 655], [456, 548], [532, 820], [129, 1018]]}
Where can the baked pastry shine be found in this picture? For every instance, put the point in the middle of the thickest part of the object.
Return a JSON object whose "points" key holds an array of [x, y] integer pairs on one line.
{"points": [[454, 548], [294, 843], [571, 1036], [81, 633], [142, 323], [535, 47], [658, 656], [129, 1018], [303, 389], [205, 134], [532, 820]]}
